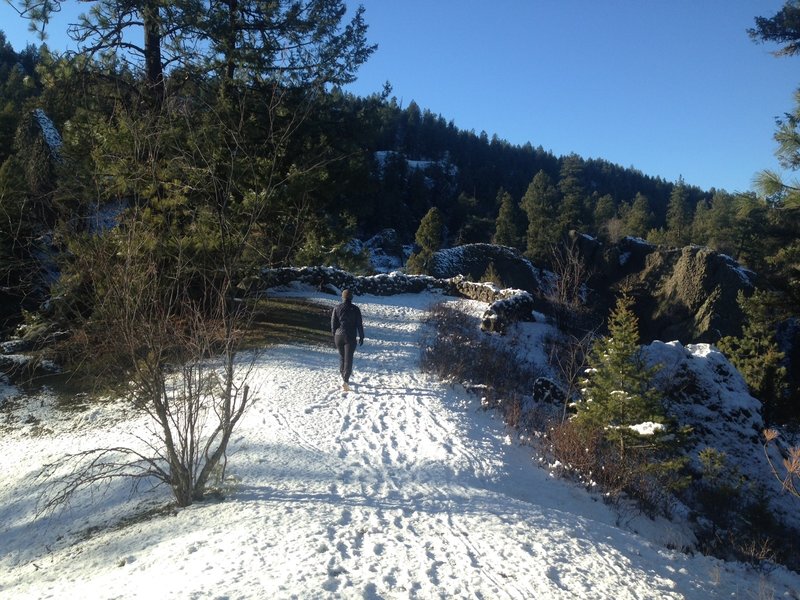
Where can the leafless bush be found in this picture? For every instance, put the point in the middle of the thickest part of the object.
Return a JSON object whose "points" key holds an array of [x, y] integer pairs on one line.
{"points": [[455, 349], [583, 452], [175, 351], [159, 309], [567, 355], [567, 295]]}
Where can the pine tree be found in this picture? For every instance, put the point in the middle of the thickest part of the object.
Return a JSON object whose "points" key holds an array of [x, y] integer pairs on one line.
{"points": [[574, 199], [618, 390], [638, 218], [429, 237], [539, 203], [701, 224], [604, 211], [756, 354], [508, 225], [678, 218]]}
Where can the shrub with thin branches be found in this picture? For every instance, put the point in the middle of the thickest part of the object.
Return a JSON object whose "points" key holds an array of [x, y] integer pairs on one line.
{"points": [[456, 350]]}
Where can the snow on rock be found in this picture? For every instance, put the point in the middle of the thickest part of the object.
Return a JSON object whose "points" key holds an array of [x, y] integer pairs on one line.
{"points": [[106, 217], [51, 136], [382, 157], [708, 393], [747, 276], [402, 488], [512, 306], [386, 252], [638, 241]]}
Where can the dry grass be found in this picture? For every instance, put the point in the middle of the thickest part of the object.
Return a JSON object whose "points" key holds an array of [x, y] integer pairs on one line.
{"points": [[288, 320]]}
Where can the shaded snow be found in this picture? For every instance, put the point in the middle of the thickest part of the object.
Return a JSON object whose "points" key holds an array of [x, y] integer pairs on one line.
{"points": [[51, 136], [711, 395], [746, 275], [402, 488]]}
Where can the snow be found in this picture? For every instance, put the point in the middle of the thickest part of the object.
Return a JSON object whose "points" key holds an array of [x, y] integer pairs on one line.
{"points": [[746, 275], [403, 488], [383, 156], [647, 428], [715, 400], [51, 136], [638, 241]]}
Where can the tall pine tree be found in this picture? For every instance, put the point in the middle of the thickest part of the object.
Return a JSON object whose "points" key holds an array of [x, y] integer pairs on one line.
{"points": [[540, 204], [509, 222], [429, 237], [679, 219]]}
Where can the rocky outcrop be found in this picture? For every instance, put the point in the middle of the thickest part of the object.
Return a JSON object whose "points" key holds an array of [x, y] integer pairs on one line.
{"points": [[474, 260], [686, 294]]}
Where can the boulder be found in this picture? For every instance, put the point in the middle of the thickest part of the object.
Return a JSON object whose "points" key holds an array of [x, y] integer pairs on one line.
{"points": [[473, 260]]}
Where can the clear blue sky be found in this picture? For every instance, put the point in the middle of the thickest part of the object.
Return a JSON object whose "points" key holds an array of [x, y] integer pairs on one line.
{"points": [[670, 87]]}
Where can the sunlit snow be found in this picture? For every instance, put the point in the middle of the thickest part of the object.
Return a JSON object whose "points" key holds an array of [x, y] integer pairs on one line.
{"points": [[402, 488]]}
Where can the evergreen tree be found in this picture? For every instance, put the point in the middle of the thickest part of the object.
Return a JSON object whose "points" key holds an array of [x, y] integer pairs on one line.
{"points": [[540, 203], [783, 27], [757, 357], [721, 223], [429, 237], [701, 224], [574, 199], [639, 218], [604, 211], [678, 216], [509, 223], [618, 389]]}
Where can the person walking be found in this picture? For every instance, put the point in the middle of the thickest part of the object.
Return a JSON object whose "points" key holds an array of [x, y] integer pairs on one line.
{"points": [[346, 326]]}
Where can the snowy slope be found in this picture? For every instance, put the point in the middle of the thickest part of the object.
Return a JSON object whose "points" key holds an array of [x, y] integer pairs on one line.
{"points": [[402, 488]]}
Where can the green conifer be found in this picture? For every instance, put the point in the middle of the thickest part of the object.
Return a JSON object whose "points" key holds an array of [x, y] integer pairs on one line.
{"points": [[429, 237], [539, 203], [508, 225], [756, 354], [618, 389]]}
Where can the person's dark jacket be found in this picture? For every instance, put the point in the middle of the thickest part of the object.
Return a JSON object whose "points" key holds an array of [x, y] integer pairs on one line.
{"points": [[346, 321]]}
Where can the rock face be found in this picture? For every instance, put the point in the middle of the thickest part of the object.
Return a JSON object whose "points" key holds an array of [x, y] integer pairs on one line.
{"points": [[689, 295], [686, 294], [473, 260]]}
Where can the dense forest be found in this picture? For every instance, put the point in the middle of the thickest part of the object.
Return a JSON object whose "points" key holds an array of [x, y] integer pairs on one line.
{"points": [[221, 150]]}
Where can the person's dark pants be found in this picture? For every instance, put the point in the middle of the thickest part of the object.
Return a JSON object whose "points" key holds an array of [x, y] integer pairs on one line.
{"points": [[346, 349]]}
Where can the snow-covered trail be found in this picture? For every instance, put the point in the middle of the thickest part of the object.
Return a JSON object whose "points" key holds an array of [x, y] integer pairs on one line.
{"points": [[402, 488]]}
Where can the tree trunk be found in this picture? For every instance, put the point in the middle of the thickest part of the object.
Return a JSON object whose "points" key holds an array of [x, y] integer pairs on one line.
{"points": [[154, 70]]}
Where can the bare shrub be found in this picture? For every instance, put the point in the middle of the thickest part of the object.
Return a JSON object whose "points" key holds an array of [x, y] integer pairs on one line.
{"points": [[176, 353], [567, 355], [456, 350], [567, 295], [584, 453]]}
